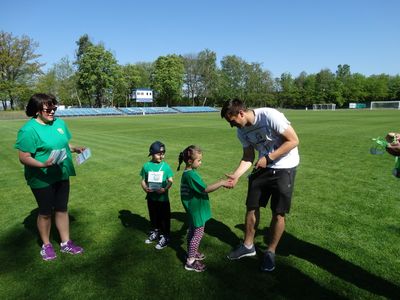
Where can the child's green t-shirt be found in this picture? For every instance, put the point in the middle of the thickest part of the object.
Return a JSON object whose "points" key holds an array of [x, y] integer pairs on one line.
{"points": [[194, 199], [166, 173]]}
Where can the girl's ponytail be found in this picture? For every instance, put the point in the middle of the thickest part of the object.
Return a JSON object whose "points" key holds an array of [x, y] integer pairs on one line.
{"points": [[180, 160], [187, 154]]}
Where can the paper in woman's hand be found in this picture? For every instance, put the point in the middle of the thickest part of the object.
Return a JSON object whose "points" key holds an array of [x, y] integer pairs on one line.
{"points": [[83, 156], [58, 156]]}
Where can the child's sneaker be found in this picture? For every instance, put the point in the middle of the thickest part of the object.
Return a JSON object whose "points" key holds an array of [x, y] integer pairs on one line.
{"points": [[196, 266], [153, 236], [71, 248], [162, 243], [47, 252], [199, 256]]}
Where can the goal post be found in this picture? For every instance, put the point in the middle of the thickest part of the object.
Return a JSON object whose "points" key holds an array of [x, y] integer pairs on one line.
{"points": [[385, 105], [324, 106]]}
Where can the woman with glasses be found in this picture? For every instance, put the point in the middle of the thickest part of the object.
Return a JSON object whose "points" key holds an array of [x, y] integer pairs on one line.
{"points": [[44, 150]]}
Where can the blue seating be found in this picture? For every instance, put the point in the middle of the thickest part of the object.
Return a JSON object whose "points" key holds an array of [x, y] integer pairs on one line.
{"points": [[76, 112], [195, 109], [147, 110], [110, 111]]}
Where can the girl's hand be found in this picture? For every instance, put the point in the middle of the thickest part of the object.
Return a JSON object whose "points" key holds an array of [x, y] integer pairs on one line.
{"points": [[232, 180], [161, 191], [227, 183]]}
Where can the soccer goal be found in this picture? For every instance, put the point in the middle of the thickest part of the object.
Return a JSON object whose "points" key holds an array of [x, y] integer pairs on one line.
{"points": [[324, 106], [385, 105]]}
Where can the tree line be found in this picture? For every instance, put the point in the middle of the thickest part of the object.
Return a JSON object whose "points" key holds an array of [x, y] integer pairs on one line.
{"points": [[95, 79]]}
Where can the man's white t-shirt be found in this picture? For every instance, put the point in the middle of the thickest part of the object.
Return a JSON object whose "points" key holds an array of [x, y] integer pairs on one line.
{"points": [[265, 135]]}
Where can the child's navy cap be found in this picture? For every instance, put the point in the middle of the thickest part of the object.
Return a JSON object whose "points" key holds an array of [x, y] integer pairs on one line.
{"points": [[156, 147]]}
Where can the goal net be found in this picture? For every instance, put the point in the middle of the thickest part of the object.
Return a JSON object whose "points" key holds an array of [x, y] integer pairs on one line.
{"points": [[385, 105], [324, 106]]}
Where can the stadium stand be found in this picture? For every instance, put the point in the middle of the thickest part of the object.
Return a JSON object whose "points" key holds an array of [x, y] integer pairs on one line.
{"points": [[76, 112], [195, 109], [79, 112], [147, 110]]}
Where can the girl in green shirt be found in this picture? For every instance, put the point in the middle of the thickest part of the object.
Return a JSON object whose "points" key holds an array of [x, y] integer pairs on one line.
{"points": [[194, 196]]}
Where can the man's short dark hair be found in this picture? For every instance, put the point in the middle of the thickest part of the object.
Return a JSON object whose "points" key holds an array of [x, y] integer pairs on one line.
{"points": [[232, 108]]}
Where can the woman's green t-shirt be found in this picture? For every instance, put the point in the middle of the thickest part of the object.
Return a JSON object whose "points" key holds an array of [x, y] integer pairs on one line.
{"points": [[39, 140]]}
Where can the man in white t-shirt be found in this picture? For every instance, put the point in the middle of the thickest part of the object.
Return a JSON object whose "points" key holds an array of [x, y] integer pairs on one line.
{"points": [[268, 132]]}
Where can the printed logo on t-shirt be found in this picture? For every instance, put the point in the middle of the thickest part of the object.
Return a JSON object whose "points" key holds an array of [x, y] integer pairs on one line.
{"points": [[60, 130]]}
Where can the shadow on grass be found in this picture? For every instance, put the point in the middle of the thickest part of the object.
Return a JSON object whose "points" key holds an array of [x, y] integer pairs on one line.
{"points": [[178, 238], [227, 279], [30, 223], [242, 279], [17, 243], [126, 268], [332, 263]]}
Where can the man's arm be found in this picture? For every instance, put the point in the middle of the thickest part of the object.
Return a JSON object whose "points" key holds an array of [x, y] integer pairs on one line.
{"points": [[245, 163], [291, 141]]}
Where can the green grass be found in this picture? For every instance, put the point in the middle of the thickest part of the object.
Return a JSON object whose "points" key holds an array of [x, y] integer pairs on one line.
{"points": [[342, 235]]}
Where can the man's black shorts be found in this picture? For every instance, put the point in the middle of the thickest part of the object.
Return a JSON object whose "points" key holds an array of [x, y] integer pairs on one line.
{"points": [[276, 184], [55, 196]]}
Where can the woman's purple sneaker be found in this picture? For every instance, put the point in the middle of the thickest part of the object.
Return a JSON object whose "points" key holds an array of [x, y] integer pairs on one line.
{"points": [[70, 247], [47, 252]]}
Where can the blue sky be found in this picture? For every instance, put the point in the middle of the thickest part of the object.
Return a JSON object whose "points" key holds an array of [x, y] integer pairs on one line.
{"points": [[285, 36]]}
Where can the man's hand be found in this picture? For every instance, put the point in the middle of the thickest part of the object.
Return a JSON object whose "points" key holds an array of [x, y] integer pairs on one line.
{"points": [[261, 163], [232, 180]]}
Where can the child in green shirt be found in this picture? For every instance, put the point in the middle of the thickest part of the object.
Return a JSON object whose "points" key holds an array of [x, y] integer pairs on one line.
{"points": [[194, 196], [156, 181]]}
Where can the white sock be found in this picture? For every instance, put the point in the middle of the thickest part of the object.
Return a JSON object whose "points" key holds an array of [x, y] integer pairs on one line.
{"points": [[249, 247], [63, 243]]}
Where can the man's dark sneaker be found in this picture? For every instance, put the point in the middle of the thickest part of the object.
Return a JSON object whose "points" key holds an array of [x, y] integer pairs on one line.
{"points": [[242, 251], [268, 263], [153, 236]]}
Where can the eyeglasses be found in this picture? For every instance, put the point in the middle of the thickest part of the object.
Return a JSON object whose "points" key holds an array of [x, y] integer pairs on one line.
{"points": [[49, 110]]}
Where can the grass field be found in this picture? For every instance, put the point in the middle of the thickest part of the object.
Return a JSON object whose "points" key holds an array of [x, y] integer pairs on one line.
{"points": [[342, 236]]}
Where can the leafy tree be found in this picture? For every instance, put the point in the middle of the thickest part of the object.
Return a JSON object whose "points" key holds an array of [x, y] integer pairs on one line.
{"points": [[60, 81], [167, 78], [83, 43], [192, 77], [208, 71], [327, 88], [288, 90], [356, 88], [259, 85], [305, 85], [97, 72], [18, 66], [377, 87], [128, 80], [343, 72], [232, 77], [144, 71], [394, 87]]}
